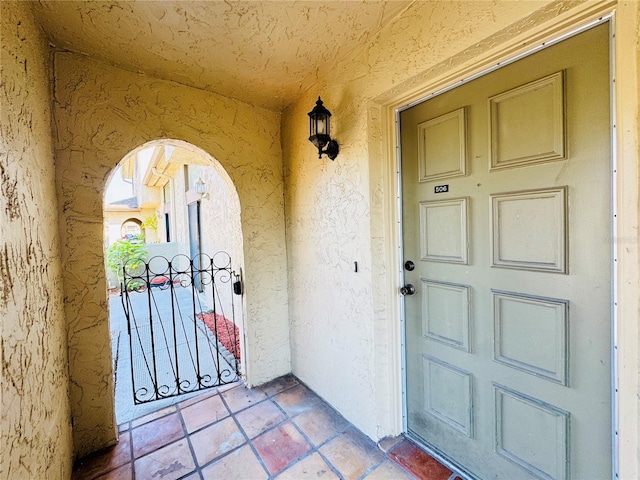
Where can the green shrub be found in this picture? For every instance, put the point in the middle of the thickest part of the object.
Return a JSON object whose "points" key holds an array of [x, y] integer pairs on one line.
{"points": [[129, 252]]}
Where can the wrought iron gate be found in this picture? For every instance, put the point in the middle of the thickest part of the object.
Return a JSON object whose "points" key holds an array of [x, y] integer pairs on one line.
{"points": [[181, 323]]}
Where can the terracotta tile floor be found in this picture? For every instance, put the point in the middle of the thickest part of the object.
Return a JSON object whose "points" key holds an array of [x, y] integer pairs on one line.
{"points": [[281, 430]]}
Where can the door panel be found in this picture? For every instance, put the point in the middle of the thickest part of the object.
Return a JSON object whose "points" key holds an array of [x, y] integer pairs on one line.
{"points": [[507, 216]]}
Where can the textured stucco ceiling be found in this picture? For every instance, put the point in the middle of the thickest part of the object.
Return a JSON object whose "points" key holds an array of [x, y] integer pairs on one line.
{"points": [[261, 52]]}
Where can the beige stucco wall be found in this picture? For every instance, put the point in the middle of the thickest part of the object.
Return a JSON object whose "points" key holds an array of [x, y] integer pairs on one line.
{"points": [[102, 113], [338, 212], [222, 232], [36, 430], [221, 227]]}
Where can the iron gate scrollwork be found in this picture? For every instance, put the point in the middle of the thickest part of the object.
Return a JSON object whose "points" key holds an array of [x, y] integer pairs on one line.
{"points": [[181, 323]]}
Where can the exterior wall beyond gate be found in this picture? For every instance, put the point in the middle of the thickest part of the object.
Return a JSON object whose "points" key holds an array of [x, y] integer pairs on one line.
{"points": [[103, 113]]}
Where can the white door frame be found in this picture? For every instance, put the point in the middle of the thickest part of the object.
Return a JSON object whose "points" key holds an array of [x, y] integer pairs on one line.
{"points": [[626, 258]]}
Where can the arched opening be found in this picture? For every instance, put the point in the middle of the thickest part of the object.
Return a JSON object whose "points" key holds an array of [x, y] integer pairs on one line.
{"points": [[173, 250], [131, 228], [246, 142]]}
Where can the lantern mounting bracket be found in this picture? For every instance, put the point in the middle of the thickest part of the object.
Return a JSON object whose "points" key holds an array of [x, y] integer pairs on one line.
{"points": [[331, 150]]}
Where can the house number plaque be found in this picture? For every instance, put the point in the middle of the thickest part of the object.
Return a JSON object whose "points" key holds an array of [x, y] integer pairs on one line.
{"points": [[441, 189]]}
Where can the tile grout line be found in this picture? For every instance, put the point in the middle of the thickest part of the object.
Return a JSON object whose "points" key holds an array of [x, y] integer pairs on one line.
{"points": [[188, 437], [314, 448], [232, 415], [177, 410], [287, 418], [132, 467], [336, 434], [217, 421], [249, 442], [290, 419], [370, 470]]}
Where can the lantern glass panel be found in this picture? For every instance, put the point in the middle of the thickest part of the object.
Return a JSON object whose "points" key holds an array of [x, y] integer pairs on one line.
{"points": [[200, 186], [322, 124]]}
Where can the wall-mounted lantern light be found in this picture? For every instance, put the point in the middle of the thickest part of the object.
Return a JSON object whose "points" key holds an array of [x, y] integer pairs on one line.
{"points": [[201, 188], [320, 133]]}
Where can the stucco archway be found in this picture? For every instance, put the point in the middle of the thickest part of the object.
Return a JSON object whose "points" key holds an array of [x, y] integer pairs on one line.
{"points": [[103, 113]]}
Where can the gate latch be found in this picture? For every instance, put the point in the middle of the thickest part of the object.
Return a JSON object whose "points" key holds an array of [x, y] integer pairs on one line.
{"points": [[237, 285]]}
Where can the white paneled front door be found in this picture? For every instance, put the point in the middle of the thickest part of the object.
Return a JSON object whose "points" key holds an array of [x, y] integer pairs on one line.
{"points": [[507, 219]]}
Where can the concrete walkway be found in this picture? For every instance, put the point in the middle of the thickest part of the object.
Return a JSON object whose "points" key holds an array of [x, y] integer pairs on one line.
{"points": [[193, 344]]}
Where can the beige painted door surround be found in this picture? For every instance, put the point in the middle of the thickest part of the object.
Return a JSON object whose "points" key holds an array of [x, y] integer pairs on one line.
{"points": [[507, 218]]}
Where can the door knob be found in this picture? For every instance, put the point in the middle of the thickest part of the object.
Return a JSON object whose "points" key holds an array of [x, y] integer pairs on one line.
{"points": [[408, 289]]}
